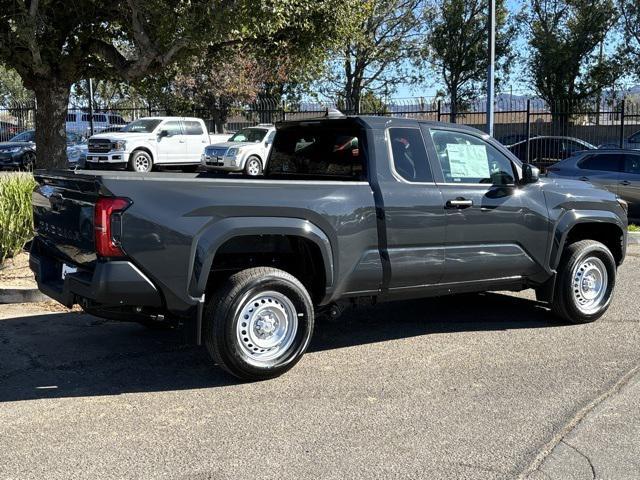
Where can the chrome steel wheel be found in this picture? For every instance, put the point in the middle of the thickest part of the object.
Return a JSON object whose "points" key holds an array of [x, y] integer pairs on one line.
{"points": [[253, 167], [589, 282], [142, 163], [266, 327]]}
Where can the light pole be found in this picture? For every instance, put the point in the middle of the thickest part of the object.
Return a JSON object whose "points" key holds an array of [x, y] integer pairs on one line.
{"points": [[491, 71], [91, 107]]}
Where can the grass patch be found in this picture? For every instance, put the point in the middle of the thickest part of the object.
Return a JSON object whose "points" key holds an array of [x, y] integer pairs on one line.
{"points": [[634, 228], [16, 215]]}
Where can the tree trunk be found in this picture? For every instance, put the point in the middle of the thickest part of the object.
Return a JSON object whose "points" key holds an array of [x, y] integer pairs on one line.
{"points": [[454, 105], [52, 99]]}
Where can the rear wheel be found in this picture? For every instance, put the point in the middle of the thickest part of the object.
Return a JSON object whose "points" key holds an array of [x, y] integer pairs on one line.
{"points": [[259, 324], [140, 161], [253, 166], [586, 278]]}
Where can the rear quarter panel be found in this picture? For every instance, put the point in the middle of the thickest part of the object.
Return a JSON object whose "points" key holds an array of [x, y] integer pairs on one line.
{"points": [[175, 219]]}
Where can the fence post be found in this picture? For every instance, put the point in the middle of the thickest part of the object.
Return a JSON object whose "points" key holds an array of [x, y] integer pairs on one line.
{"points": [[439, 110], [528, 130], [622, 106]]}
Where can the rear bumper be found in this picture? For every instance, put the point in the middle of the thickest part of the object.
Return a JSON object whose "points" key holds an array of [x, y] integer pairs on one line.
{"points": [[116, 283]]}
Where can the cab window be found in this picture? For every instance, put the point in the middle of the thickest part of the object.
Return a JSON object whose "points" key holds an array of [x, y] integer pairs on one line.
{"points": [[468, 159], [409, 154], [173, 128]]}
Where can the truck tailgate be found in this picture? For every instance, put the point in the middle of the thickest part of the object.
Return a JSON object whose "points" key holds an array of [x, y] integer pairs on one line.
{"points": [[63, 209]]}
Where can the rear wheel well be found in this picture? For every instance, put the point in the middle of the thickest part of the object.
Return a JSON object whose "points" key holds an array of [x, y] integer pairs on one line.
{"points": [[606, 233], [298, 256]]}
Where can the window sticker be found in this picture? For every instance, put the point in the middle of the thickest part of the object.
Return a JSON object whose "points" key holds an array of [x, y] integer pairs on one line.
{"points": [[468, 161]]}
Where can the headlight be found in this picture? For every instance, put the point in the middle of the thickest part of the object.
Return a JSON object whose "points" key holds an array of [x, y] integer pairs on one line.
{"points": [[11, 150], [119, 145], [232, 152]]}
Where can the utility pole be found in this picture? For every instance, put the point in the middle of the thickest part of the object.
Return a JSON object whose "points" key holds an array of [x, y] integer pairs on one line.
{"points": [[492, 59], [91, 107]]}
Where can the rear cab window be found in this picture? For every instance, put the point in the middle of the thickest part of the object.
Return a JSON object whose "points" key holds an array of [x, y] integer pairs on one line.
{"points": [[192, 127], [409, 154], [331, 150]]}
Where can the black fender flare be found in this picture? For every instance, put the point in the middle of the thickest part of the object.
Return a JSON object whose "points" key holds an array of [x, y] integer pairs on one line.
{"points": [[215, 234], [570, 219]]}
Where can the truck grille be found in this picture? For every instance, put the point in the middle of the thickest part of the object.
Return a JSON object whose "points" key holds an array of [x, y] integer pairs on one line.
{"points": [[215, 151], [99, 145]]}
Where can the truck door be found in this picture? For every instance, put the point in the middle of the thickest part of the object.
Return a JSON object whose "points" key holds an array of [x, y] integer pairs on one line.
{"points": [[172, 147], [196, 139], [413, 212], [494, 229]]}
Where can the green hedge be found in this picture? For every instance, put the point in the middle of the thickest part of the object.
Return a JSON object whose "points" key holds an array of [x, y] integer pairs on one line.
{"points": [[16, 217]]}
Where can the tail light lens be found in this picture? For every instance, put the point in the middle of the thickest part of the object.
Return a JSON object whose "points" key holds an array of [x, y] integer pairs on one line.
{"points": [[107, 225]]}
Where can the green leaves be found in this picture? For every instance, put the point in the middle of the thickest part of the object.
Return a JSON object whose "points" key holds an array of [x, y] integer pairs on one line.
{"points": [[16, 215]]}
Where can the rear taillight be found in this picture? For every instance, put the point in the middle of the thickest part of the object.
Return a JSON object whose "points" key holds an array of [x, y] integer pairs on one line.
{"points": [[107, 225]]}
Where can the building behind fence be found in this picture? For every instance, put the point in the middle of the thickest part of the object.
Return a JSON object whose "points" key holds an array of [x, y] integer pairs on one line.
{"points": [[518, 119]]}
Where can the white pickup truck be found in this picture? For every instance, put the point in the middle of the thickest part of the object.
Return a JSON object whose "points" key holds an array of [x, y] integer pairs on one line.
{"points": [[151, 141], [246, 151]]}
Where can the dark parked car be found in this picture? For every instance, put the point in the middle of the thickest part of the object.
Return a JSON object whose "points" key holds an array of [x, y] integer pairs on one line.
{"points": [[19, 153], [350, 210], [616, 170], [545, 151]]}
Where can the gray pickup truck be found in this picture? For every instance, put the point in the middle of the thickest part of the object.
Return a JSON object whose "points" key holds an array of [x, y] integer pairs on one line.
{"points": [[350, 210]]}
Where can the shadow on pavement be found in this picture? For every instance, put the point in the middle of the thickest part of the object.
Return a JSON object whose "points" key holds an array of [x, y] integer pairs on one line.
{"points": [[70, 355]]}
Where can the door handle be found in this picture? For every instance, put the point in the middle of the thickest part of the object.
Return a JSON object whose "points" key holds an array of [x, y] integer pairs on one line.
{"points": [[584, 179], [459, 203], [626, 183]]}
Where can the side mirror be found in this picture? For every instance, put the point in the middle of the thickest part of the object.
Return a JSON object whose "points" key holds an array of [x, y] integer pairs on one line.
{"points": [[163, 133], [530, 174]]}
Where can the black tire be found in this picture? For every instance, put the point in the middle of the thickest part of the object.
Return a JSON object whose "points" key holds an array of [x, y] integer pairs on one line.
{"points": [[137, 159], [249, 166], [224, 322], [568, 292], [29, 162]]}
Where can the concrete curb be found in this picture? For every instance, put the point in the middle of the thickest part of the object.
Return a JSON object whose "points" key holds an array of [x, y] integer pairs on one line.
{"points": [[21, 295], [633, 238]]}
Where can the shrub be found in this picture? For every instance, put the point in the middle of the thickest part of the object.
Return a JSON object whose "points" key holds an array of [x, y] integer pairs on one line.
{"points": [[634, 228], [16, 216]]}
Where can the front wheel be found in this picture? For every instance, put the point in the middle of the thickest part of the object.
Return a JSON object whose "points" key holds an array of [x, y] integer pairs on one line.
{"points": [[586, 278], [259, 324], [253, 167], [140, 161], [29, 162]]}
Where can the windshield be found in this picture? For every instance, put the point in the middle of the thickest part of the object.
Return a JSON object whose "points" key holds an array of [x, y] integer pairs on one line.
{"points": [[142, 126], [249, 135]]}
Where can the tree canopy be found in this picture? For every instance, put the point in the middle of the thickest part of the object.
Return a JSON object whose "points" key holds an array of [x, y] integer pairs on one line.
{"points": [[53, 44]]}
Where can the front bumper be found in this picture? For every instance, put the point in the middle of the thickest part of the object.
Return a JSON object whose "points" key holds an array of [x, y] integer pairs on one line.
{"points": [[227, 164], [110, 157], [10, 161], [116, 283]]}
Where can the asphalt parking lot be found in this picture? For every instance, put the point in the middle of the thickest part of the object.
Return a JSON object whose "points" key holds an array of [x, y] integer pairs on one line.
{"points": [[479, 386]]}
